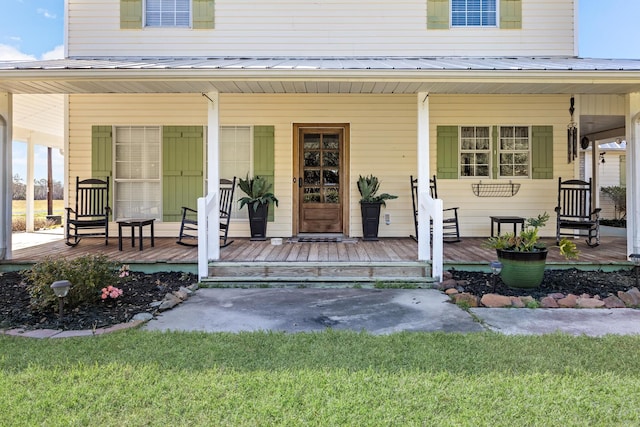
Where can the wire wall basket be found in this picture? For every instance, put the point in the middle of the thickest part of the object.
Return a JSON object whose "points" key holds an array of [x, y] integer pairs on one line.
{"points": [[496, 189]]}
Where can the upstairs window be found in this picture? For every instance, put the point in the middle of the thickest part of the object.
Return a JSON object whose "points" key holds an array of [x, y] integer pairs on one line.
{"points": [[167, 13], [473, 13]]}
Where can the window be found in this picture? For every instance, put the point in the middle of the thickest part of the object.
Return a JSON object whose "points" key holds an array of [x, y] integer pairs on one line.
{"points": [[137, 172], [236, 146], [473, 13], [475, 151], [514, 151], [167, 13]]}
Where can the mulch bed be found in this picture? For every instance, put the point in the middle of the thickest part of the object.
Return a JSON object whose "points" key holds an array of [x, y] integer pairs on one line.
{"points": [[143, 289], [139, 291], [571, 281]]}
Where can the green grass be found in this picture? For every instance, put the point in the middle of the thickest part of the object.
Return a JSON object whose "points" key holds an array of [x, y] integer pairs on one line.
{"points": [[19, 208], [329, 378]]}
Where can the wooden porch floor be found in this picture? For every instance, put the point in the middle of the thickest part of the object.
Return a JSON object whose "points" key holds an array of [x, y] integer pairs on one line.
{"points": [[612, 250]]}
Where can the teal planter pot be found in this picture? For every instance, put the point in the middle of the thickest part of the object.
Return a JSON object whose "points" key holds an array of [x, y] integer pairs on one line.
{"points": [[522, 269]]}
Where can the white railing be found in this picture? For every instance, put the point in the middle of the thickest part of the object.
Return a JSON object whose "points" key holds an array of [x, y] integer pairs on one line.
{"points": [[208, 247]]}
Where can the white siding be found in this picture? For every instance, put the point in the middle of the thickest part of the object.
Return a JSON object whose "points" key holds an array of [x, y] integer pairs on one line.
{"points": [[320, 28], [382, 141], [602, 105]]}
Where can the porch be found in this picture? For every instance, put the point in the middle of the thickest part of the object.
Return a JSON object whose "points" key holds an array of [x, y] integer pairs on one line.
{"points": [[393, 259]]}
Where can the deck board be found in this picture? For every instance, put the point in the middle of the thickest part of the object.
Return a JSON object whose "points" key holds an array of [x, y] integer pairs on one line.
{"points": [[612, 250]]}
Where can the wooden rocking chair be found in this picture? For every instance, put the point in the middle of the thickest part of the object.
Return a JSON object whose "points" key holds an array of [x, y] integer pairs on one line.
{"points": [[574, 211], [91, 211], [450, 228], [189, 224]]}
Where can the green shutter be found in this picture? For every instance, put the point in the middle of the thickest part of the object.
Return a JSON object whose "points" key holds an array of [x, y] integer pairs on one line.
{"points": [[447, 152], [623, 170], [182, 169], [494, 152], [438, 14], [101, 151], [264, 157], [203, 14], [511, 14], [542, 152], [130, 14], [102, 155]]}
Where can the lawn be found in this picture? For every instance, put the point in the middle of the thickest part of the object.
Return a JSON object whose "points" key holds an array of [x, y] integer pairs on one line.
{"points": [[19, 207], [329, 378]]}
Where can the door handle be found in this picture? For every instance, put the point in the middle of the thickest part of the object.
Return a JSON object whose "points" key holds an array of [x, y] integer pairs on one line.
{"points": [[300, 182]]}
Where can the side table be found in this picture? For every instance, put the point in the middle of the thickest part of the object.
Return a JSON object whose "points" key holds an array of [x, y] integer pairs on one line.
{"points": [[515, 220], [133, 223]]}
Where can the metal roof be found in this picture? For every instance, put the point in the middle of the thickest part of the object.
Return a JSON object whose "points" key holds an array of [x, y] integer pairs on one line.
{"points": [[509, 75], [332, 63]]}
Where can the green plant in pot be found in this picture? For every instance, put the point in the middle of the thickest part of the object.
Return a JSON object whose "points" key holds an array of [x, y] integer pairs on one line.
{"points": [[258, 197], [523, 256], [370, 205]]}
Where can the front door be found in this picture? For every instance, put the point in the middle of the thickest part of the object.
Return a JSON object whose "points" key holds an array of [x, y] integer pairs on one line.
{"points": [[321, 180]]}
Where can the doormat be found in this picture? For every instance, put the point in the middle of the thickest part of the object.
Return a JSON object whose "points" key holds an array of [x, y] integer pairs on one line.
{"points": [[315, 239]]}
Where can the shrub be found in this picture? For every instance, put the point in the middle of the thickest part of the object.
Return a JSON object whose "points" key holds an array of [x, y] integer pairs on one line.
{"points": [[618, 196], [88, 275]]}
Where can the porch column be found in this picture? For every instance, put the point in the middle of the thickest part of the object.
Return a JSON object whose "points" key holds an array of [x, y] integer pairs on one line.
{"points": [[633, 173], [213, 174], [6, 174], [30, 194], [427, 207]]}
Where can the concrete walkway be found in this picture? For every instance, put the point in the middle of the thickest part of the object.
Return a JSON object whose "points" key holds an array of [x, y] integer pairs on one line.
{"points": [[378, 312]]}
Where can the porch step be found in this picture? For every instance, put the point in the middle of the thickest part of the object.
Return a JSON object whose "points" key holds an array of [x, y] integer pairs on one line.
{"points": [[292, 273]]}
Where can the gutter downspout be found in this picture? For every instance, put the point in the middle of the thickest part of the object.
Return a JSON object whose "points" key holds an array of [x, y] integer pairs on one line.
{"points": [[5, 190]]}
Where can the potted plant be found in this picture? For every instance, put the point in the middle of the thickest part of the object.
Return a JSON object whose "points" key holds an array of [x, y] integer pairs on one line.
{"points": [[258, 197], [370, 205], [523, 256]]}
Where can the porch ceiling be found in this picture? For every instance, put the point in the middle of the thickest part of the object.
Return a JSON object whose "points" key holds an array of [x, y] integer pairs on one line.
{"points": [[390, 75]]}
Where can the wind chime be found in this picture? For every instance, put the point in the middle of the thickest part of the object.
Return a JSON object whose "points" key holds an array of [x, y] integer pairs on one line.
{"points": [[572, 135]]}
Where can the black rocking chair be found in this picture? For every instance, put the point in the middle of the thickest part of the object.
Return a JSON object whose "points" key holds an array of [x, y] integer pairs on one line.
{"points": [[189, 224], [574, 211], [91, 214], [450, 228]]}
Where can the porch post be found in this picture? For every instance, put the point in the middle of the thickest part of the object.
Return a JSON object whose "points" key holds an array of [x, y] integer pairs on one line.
{"points": [[213, 174], [427, 207], [6, 174], [633, 173]]}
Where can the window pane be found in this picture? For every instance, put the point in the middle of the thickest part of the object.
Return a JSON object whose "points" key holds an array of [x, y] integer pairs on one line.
{"points": [[167, 13], [235, 160]]}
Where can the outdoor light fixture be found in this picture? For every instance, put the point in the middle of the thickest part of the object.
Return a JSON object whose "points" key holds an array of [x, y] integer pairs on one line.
{"points": [[636, 260], [496, 268], [61, 289]]}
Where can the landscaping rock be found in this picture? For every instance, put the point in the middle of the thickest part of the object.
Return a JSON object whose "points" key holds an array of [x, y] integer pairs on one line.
{"points": [[630, 300], [549, 302], [466, 298], [451, 291], [495, 301], [613, 301], [569, 301], [516, 302], [589, 303], [143, 317], [447, 284], [169, 302]]}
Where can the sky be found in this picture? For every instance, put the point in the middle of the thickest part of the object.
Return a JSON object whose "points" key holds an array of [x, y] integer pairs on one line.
{"points": [[34, 29]]}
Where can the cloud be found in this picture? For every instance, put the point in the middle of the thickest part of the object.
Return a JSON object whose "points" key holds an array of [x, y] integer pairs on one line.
{"points": [[56, 53], [46, 13], [10, 53]]}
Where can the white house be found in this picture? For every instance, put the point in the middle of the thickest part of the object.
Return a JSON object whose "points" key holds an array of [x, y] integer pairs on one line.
{"points": [[167, 101]]}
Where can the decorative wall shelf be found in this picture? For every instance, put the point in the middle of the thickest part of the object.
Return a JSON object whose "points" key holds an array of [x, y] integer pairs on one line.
{"points": [[496, 189]]}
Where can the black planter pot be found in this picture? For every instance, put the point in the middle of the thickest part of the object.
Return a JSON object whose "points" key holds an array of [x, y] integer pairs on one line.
{"points": [[370, 220], [258, 220]]}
